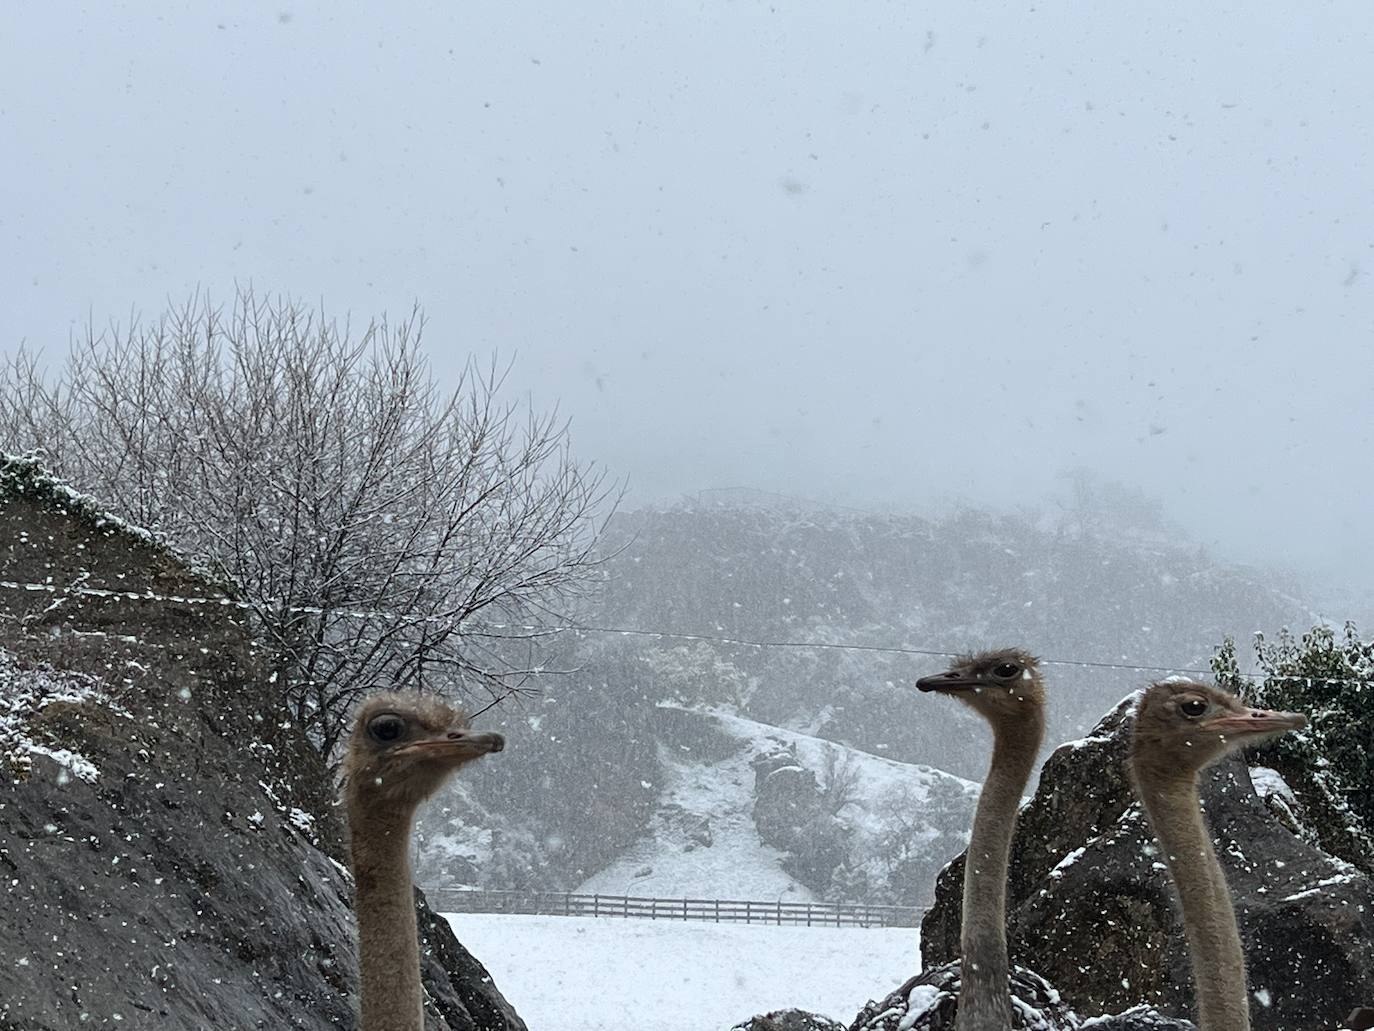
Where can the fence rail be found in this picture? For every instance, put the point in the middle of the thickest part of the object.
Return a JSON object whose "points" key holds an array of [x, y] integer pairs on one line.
{"points": [[740, 911]]}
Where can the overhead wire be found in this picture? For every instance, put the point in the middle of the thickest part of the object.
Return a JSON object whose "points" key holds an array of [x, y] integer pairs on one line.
{"points": [[544, 629]]}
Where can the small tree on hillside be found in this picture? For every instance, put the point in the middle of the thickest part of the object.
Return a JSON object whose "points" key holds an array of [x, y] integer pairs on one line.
{"points": [[840, 780], [385, 532], [1330, 678]]}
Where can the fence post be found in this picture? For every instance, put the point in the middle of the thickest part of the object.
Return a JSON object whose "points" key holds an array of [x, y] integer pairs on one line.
{"points": [[684, 908], [596, 905], [626, 907], [779, 912], [717, 910], [748, 907], [808, 914]]}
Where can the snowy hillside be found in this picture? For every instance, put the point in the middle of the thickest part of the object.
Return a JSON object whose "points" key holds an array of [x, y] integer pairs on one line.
{"points": [[617, 783], [704, 839], [1103, 592], [877, 783], [572, 974], [741, 809], [701, 840]]}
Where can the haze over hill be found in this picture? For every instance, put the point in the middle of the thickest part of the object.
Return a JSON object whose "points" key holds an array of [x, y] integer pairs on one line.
{"points": [[606, 750], [877, 253]]}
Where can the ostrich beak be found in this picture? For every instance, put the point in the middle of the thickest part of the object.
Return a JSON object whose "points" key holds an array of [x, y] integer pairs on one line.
{"points": [[1256, 721], [950, 681], [457, 745], [490, 742]]}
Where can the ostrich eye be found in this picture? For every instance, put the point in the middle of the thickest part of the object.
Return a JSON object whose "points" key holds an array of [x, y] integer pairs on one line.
{"points": [[1193, 707], [1005, 670], [387, 727]]}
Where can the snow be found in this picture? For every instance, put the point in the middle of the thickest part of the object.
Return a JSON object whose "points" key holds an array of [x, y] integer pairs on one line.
{"points": [[1269, 782], [1340, 878], [1066, 862], [25, 691], [73, 762], [876, 776], [1083, 742], [921, 998], [1127, 707], [670, 862], [26, 473], [584, 974]]}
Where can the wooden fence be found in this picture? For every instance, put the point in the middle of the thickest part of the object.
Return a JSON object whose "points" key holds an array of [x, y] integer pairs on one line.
{"points": [[739, 911]]}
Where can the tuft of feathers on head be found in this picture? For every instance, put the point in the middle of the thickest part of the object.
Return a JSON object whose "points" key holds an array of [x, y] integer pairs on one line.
{"points": [[970, 661], [1002, 685]]}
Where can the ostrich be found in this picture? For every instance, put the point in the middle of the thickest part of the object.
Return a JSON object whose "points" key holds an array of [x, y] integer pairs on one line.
{"points": [[402, 749], [1180, 727], [1004, 688], [981, 991], [975, 994]]}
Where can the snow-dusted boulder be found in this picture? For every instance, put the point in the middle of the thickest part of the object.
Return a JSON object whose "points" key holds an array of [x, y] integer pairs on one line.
{"points": [[789, 1020], [1092, 909], [926, 1002], [168, 855]]}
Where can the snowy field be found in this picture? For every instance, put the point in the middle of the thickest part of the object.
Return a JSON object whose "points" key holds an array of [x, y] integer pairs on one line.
{"points": [[583, 974]]}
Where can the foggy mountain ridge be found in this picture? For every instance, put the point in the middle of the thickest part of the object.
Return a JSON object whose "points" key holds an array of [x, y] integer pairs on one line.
{"points": [[601, 752], [741, 218]]}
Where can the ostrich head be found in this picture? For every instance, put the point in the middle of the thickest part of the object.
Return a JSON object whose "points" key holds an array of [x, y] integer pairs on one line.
{"points": [[1182, 726], [1002, 686], [404, 746]]}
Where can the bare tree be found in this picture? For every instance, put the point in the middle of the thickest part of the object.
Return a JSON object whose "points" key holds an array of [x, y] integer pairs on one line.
{"points": [[840, 776], [384, 532]]}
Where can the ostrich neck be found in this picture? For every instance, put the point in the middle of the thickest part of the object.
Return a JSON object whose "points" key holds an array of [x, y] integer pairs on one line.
{"points": [[985, 993], [1208, 919], [388, 949]]}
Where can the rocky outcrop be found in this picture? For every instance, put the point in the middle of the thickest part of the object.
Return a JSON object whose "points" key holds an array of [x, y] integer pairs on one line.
{"points": [[927, 1002], [168, 844], [854, 827], [1092, 909], [789, 1020], [791, 814]]}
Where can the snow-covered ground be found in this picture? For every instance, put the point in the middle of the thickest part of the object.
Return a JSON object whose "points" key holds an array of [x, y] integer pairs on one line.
{"points": [[581, 974]]}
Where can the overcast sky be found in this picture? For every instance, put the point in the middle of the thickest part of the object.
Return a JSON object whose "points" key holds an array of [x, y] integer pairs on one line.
{"points": [[859, 251]]}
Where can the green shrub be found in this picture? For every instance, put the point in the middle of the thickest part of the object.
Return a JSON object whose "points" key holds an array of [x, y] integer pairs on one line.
{"points": [[1329, 676]]}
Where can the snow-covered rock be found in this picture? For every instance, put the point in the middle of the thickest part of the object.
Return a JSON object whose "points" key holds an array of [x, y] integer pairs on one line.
{"points": [[1092, 909], [161, 818]]}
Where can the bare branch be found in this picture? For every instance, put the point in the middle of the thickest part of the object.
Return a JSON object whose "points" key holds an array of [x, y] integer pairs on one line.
{"points": [[386, 532]]}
